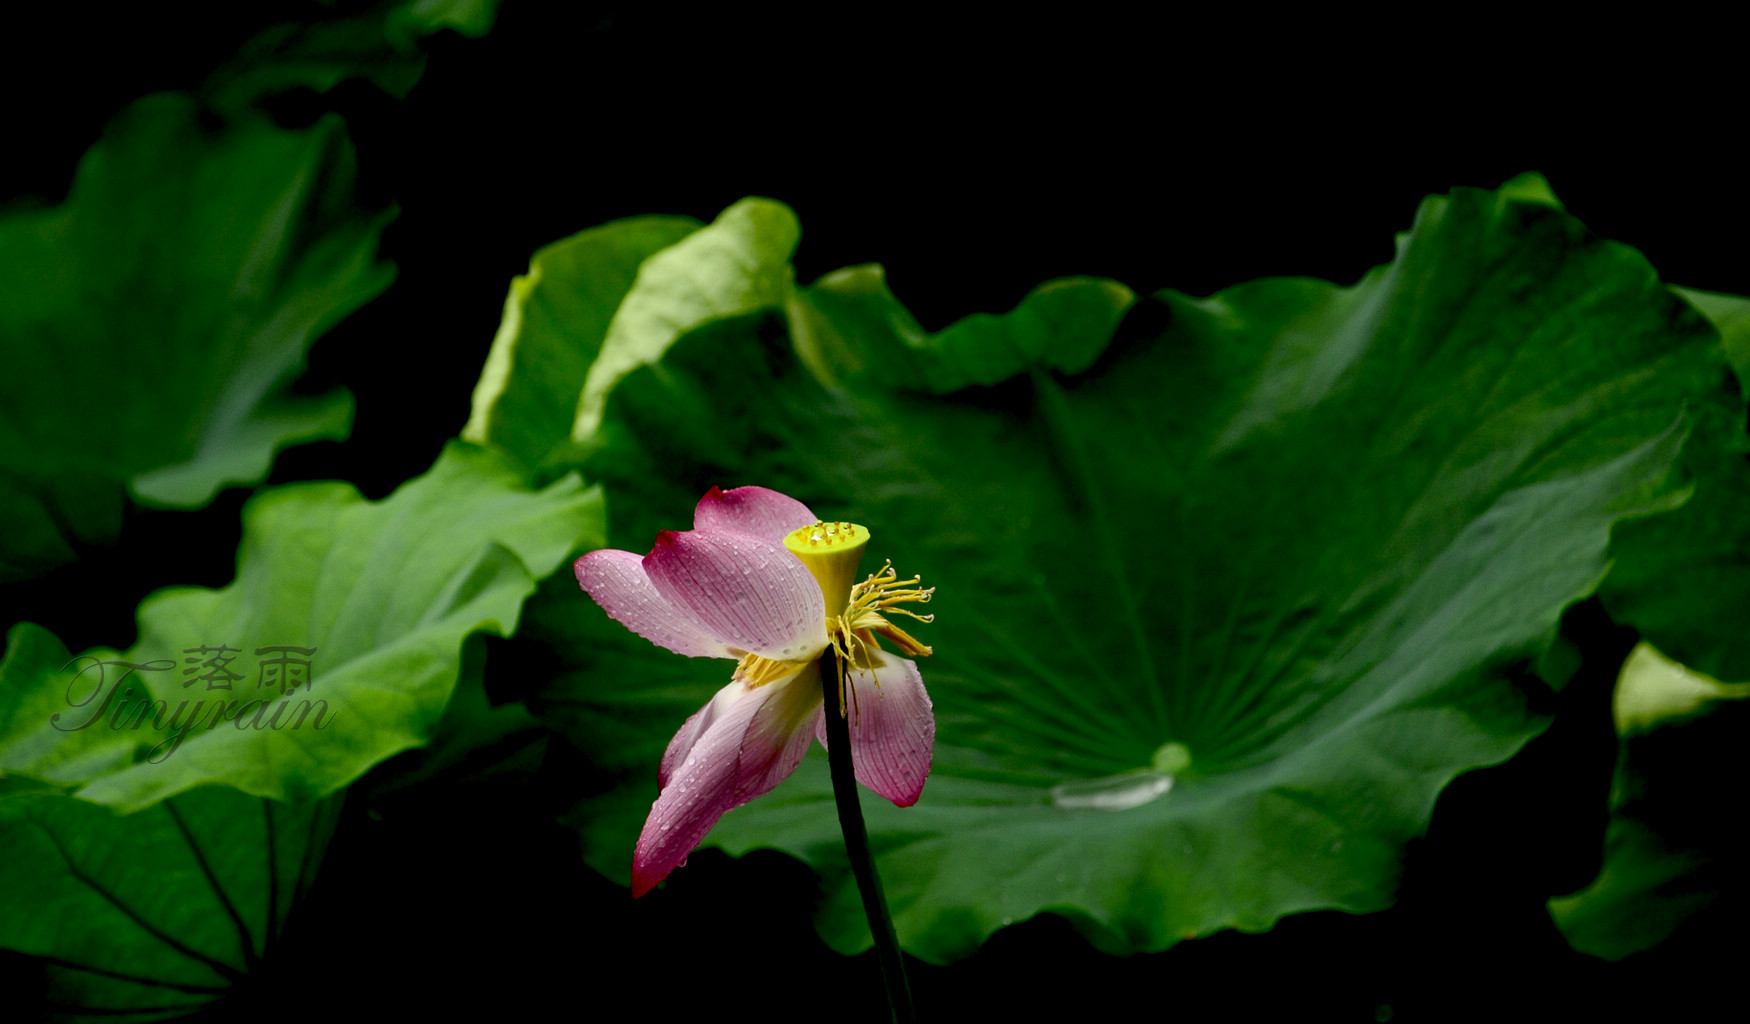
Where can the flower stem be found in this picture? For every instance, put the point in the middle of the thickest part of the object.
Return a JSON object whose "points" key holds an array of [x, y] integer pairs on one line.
{"points": [[844, 791]]}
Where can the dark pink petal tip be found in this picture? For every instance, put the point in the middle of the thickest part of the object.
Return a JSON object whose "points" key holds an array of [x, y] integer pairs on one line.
{"points": [[755, 511]]}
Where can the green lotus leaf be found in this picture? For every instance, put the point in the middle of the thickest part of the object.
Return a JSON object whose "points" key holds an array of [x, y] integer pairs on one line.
{"points": [[849, 324], [338, 645], [378, 40], [1226, 598], [1730, 314], [526, 400], [476, 739], [154, 321], [471, 18], [1683, 580], [149, 915], [1673, 856], [1531, 187], [602, 303]]}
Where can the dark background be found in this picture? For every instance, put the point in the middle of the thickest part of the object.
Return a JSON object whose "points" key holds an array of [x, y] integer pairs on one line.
{"points": [[975, 160]]}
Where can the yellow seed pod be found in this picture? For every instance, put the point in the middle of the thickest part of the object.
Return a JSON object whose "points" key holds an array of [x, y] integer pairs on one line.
{"points": [[831, 551]]}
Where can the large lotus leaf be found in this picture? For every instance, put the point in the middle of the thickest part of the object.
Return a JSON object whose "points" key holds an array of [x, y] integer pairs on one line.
{"points": [[555, 319], [476, 739], [1220, 614], [154, 321], [1683, 580], [600, 304], [149, 915], [377, 40], [1674, 853], [737, 265], [338, 645], [850, 325], [471, 18], [1730, 314]]}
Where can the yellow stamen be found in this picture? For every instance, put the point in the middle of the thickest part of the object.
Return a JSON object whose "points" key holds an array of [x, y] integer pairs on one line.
{"points": [[756, 671], [854, 632], [883, 592]]}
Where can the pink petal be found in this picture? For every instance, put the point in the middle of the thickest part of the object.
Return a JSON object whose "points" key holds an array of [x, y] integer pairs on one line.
{"points": [[748, 592], [696, 726], [617, 581], [758, 511], [893, 730], [753, 740]]}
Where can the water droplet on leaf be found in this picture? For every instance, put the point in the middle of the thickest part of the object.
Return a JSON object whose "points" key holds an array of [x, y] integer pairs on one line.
{"points": [[1113, 792]]}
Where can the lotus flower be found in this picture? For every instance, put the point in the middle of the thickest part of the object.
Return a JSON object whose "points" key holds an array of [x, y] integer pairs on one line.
{"points": [[754, 580]]}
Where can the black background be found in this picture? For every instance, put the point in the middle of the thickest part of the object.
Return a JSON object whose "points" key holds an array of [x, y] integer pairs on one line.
{"points": [[974, 159]]}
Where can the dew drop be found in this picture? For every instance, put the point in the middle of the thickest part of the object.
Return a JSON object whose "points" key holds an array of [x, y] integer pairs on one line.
{"points": [[1113, 792]]}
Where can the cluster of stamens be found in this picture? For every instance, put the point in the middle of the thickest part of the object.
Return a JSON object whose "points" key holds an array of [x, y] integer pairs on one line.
{"points": [[756, 671], [853, 634]]}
